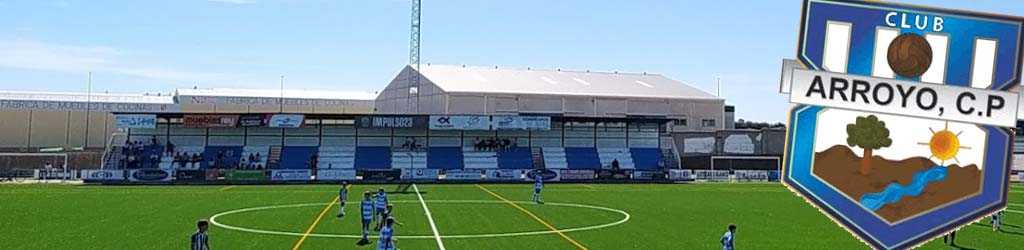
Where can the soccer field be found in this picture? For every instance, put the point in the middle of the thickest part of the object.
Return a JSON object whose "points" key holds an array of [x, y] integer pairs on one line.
{"points": [[488, 216]]}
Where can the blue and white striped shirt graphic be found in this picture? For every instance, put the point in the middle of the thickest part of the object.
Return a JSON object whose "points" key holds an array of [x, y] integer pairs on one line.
{"points": [[343, 194]]}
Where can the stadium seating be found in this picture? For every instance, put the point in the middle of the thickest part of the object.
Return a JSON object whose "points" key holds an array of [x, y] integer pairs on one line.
{"points": [[479, 159], [232, 155], [167, 162], [646, 158], [296, 157], [445, 158], [262, 150], [408, 159], [515, 158], [373, 158], [554, 158], [582, 158], [337, 157], [148, 151], [608, 155]]}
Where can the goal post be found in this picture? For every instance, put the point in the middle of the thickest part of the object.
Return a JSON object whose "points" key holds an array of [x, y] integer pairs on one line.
{"points": [[36, 163], [731, 162]]}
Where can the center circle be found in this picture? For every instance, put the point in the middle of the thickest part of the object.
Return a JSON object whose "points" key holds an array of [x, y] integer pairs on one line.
{"points": [[626, 217]]}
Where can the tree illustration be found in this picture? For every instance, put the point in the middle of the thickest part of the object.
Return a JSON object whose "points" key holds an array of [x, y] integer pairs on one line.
{"points": [[868, 133]]}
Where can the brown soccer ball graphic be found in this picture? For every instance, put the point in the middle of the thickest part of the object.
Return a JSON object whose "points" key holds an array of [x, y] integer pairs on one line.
{"points": [[910, 55]]}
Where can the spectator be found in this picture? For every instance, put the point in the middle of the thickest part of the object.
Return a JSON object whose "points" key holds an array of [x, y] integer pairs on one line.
{"points": [[258, 158], [153, 140], [412, 144], [515, 143], [615, 164], [478, 144], [154, 160], [170, 148], [252, 158], [48, 166], [507, 144]]}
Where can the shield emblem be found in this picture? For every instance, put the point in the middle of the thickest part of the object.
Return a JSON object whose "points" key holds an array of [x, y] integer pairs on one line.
{"points": [[901, 131]]}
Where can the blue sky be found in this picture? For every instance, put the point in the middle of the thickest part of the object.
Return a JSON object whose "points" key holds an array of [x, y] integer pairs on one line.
{"points": [[156, 46]]}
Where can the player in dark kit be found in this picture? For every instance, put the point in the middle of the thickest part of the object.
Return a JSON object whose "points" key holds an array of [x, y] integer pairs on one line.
{"points": [[200, 239], [342, 198]]}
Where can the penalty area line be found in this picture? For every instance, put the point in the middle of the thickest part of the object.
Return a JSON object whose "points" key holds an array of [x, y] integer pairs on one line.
{"points": [[534, 216], [315, 222], [430, 218]]}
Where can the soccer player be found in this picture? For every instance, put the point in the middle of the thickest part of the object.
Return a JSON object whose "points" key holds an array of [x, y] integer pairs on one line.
{"points": [[952, 238], [342, 197], [199, 239], [728, 237], [997, 217], [382, 202], [367, 210], [538, 184], [387, 233], [389, 214]]}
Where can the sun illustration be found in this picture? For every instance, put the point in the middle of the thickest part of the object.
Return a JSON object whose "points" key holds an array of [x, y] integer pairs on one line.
{"points": [[944, 144]]}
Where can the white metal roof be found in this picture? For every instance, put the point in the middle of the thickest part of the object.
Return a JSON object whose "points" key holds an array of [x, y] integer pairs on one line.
{"points": [[85, 97], [453, 78], [276, 93]]}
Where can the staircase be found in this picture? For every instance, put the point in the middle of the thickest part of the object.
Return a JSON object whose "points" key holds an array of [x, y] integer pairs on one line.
{"points": [[554, 158], [473, 159], [274, 157], [538, 157]]}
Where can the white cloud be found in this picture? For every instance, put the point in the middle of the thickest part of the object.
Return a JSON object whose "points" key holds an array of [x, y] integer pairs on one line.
{"points": [[233, 1], [34, 55]]}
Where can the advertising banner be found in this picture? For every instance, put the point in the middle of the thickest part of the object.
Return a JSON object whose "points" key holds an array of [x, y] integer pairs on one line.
{"points": [[149, 175], [252, 120], [1018, 162], [503, 175], [711, 175], [135, 120], [377, 121], [420, 174], [680, 175], [244, 175], [521, 123], [608, 174], [335, 174], [103, 175], [576, 174], [54, 174], [544, 174], [751, 175], [648, 175], [464, 174], [380, 175], [774, 175], [290, 175], [190, 175], [460, 122], [286, 121], [210, 121]]}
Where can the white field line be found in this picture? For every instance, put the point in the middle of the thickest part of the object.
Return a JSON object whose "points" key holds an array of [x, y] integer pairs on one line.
{"points": [[429, 217]]}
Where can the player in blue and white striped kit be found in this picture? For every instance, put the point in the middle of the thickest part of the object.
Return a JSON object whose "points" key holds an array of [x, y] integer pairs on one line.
{"points": [[538, 184], [366, 207], [387, 233], [342, 198], [200, 241], [728, 238], [382, 202]]}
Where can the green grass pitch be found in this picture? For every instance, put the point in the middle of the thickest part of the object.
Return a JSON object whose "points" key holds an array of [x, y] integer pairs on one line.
{"points": [[661, 216]]}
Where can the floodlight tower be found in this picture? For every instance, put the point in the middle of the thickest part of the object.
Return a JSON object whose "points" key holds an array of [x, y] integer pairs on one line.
{"points": [[414, 57]]}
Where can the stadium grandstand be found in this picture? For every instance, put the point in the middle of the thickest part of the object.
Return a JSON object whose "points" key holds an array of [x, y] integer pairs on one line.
{"points": [[458, 118]]}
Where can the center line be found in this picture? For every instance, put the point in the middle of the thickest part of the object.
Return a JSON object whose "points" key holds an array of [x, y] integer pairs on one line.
{"points": [[535, 217], [429, 217], [315, 222]]}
